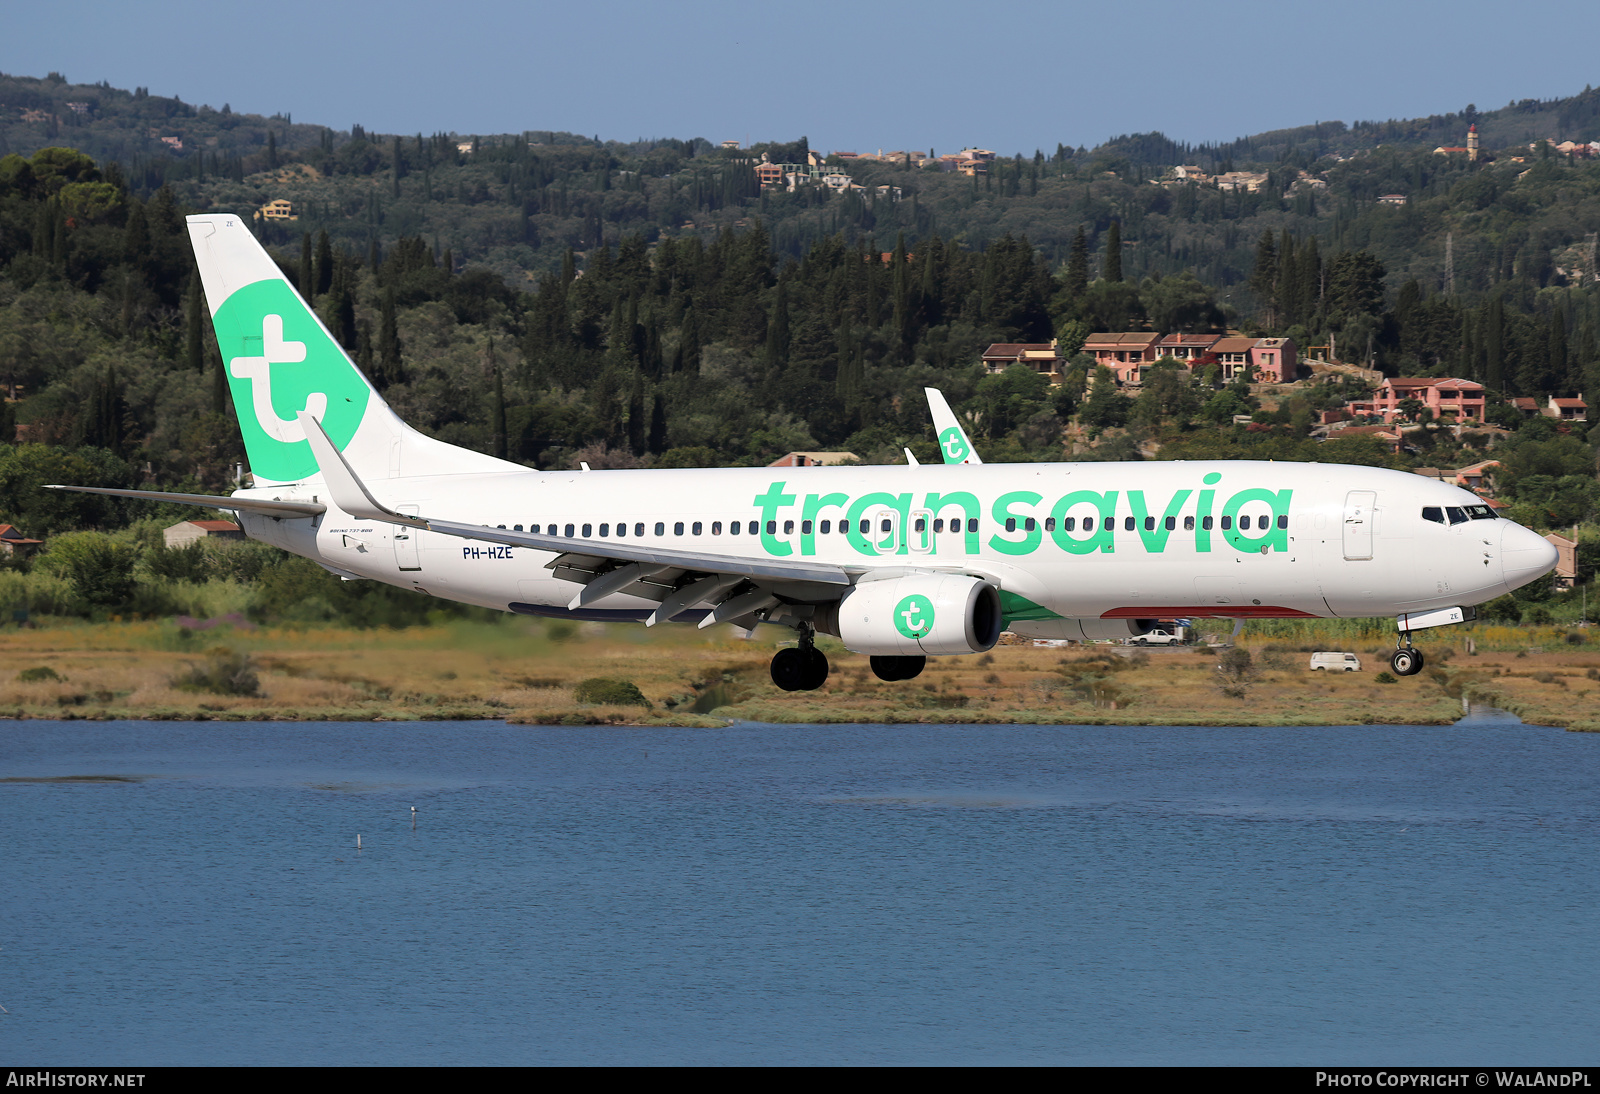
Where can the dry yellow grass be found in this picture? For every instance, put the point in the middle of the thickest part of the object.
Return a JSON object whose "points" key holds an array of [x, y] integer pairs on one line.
{"points": [[527, 670]]}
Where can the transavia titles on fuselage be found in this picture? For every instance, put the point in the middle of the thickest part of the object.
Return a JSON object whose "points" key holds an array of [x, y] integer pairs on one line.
{"points": [[898, 562]]}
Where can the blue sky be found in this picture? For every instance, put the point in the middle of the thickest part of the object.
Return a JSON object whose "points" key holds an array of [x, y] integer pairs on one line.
{"points": [[1010, 75]]}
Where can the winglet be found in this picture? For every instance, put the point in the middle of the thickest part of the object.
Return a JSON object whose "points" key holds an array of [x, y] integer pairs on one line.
{"points": [[348, 492], [953, 443]]}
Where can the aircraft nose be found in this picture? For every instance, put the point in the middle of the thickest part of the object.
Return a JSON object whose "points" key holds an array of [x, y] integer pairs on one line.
{"points": [[1525, 554]]}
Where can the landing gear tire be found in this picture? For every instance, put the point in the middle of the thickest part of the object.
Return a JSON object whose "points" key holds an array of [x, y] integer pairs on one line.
{"points": [[898, 668], [800, 669], [1406, 661]]}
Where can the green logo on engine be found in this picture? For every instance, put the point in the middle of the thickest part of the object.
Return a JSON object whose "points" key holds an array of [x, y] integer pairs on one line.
{"points": [[913, 616], [953, 445], [280, 361]]}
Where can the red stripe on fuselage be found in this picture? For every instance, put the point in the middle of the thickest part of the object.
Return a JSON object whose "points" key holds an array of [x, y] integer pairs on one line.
{"points": [[1208, 611]]}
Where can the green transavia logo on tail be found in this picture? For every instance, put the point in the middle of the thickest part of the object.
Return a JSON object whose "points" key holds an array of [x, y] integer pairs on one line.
{"points": [[954, 445], [280, 362]]}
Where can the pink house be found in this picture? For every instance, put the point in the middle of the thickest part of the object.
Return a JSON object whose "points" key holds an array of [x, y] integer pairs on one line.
{"points": [[1186, 347], [1127, 355], [1446, 399]]}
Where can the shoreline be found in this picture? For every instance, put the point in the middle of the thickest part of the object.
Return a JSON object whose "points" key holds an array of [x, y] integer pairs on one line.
{"points": [[527, 675]]}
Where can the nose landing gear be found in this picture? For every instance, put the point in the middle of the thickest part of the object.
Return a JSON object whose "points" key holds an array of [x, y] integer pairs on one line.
{"points": [[802, 667]]}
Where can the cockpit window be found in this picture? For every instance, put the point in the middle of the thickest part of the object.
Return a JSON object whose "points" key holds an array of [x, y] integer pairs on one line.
{"points": [[1457, 514]]}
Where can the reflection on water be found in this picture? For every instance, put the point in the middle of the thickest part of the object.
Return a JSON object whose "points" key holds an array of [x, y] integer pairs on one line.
{"points": [[193, 893]]}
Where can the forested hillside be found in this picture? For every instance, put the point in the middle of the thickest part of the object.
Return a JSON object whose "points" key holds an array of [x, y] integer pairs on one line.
{"points": [[552, 298]]}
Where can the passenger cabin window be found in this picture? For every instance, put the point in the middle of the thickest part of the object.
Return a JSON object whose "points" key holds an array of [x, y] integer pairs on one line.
{"points": [[734, 528], [677, 528], [605, 531], [588, 530], [638, 529], [1011, 524], [788, 527], [695, 530], [827, 526], [661, 528], [1127, 524], [569, 531], [716, 527]]}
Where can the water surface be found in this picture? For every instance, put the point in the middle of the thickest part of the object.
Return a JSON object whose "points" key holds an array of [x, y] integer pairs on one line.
{"points": [[796, 894]]}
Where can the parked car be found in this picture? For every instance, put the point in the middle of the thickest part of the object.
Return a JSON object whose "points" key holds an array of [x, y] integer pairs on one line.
{"points": [[1335, 662], [1157, 637]]}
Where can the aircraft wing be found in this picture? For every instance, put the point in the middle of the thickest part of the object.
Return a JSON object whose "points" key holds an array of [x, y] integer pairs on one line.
{"points": [[581, 557], [954, 445]]}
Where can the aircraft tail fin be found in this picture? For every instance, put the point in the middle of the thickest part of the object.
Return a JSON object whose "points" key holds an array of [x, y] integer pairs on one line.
{"points": [[280, 361], [954, 445]]}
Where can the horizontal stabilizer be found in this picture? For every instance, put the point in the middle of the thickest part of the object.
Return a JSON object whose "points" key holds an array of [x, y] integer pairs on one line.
{"points": [[212, 501]]}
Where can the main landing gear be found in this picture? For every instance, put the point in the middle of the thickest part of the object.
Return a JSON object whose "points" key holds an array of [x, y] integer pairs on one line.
{"points": [[1407, 660], [802, 667], [805, 668], [898, 668]]}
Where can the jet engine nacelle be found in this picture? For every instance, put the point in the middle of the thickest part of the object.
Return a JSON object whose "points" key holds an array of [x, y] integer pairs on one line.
{"points": [[916, 614]]}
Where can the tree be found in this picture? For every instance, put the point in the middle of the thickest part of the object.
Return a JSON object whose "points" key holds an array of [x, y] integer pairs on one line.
{"points": [[1106, 407], [390, 366], [1112, 270], [1077, 275], [99, 568]]}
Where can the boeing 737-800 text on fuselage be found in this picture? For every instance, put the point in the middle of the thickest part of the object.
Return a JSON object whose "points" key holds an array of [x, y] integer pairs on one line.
{"points": [[898, 562]]}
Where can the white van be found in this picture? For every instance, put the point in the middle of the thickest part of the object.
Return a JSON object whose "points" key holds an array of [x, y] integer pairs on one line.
{"points": [[1335, 662]]}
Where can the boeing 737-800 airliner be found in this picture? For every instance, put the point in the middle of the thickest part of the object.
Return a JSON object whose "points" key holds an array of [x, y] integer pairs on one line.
{"points": [[898, 562]]}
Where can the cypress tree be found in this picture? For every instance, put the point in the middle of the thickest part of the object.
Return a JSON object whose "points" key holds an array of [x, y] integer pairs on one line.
{"points": [[391, 370], [636, 421], [324, 267], [498, 420], [194, 342], [1263, 279], [1112, 271], [308, 285], [1077, 280], [657, 442]]}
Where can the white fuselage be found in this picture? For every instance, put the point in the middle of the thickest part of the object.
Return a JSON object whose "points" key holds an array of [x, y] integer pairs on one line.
{"points": [[1061, 541]]}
